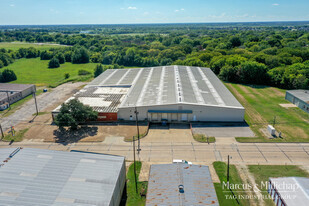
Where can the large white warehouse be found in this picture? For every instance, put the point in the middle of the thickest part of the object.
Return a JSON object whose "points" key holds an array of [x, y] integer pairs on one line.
{"points": [[170, 93]]}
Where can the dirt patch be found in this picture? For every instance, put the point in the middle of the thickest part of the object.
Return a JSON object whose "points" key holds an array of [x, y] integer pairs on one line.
{"points": [[93, 133], [277, 92], [287, 105]]}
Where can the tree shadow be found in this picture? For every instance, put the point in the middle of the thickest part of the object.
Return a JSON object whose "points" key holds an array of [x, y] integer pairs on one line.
{"points": [[67, 136]]}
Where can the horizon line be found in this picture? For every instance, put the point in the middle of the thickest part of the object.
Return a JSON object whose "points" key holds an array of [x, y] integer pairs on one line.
{"points": [[222, 22]]}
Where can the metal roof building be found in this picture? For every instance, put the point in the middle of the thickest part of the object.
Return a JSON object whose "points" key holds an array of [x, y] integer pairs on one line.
{"points": [[164, 182], [169, 93], [299, 97], [289, 191], [46, 177], [11, 93]]}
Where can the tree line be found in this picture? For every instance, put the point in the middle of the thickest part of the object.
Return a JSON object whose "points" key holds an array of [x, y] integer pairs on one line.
{"points": [[277, 56]]}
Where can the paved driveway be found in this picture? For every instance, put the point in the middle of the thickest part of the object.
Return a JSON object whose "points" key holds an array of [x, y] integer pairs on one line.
{"points": [[221, 130]]}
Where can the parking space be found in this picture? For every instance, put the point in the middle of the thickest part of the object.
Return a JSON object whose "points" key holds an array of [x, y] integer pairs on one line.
{"points": [[223, 130]]}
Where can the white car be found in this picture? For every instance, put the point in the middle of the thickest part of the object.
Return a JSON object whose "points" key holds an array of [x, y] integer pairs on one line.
{"points": [[182, 161]]}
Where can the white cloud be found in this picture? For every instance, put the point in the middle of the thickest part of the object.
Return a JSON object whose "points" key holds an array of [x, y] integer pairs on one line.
{"points": [[132, 8], [176, 10], [12, 5], [182, 9], [146, 13], [275, 4]]}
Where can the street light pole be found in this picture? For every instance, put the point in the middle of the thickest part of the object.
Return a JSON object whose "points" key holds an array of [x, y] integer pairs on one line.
{"points": [[138, 137]]}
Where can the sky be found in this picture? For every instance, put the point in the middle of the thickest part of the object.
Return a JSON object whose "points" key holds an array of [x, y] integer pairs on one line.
{"points": [[42, 12]]}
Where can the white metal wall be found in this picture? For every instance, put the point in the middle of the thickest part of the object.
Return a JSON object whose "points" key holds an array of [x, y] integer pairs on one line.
{"points": [[199, 113]]}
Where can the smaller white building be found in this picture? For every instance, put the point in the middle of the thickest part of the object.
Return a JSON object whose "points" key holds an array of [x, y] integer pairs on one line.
{"points": [[289, 191]]}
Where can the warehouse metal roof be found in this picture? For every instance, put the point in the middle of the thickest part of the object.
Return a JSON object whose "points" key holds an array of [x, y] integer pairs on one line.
{"points": [[168, 85], [101, 99], [164, 181], [46, 177], [14, 87], [293, 190], [300, 94]]}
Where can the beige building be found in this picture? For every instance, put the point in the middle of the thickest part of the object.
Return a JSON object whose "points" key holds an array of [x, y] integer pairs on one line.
{"points": [[11, 93]]}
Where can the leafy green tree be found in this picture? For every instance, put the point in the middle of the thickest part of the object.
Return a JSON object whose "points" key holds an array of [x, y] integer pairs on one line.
{"points": [[54, 63], [253, 73], [98, 70], [80, 56], [8, 75], [60, 58], [235, 41], [74, 113]]}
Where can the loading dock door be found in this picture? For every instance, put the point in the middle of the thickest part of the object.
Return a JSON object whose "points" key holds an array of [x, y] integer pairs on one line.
{"points": [[154, 117], [184, 117], [164, 116], [174, 117]]}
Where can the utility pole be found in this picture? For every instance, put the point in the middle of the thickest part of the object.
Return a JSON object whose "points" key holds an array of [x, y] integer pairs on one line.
{"points": [[228, 171], [134, 167], [274, 120], [138, 138], [36, 106], [7, 93], [1, 131]]}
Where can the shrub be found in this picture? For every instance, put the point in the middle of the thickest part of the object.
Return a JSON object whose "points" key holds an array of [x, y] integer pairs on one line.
{"points": [[54, 63], [98, 70], [7, 75], [83, 72], [66, 75]]}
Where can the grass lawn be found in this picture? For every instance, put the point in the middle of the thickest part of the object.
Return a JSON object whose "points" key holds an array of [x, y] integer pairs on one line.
{"points": [[262, 173], [16, 45], [203, 139], [36, 71], [221, 169], [262, 104], [19, 135], [133, 198]]}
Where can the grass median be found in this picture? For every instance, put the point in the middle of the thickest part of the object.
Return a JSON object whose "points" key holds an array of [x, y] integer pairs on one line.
{"points": [[135, 198]]}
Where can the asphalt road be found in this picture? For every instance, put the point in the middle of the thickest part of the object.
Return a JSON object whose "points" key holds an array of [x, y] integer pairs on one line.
{"points": [[198, 153]]}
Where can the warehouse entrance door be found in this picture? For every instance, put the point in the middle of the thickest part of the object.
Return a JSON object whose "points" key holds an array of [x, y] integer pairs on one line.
{"points": [[154, 117], [184, 117]]}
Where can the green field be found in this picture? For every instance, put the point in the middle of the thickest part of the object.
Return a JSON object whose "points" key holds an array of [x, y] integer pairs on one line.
{"points": [[262, 106], [221, 169], [262, 173], [36, 71], [16, 45]]}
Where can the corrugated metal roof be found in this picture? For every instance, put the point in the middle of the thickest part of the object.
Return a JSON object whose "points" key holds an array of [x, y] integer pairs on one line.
{"points": [[168, 85], [293, 190], [46, 177], [300, 94], [164, 181]]}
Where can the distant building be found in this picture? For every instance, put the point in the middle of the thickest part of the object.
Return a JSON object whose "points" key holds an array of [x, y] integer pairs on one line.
{"points": [[168, 93], [289, 191], [180, 184], [47, 177], [11, 93], [299, 97]]}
